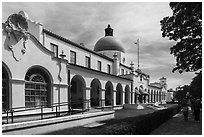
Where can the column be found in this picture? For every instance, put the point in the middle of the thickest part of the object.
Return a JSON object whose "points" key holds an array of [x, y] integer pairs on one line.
{"points": [[102, 99], [123, 97], [87, 98], [133, 98], [114, 98]]}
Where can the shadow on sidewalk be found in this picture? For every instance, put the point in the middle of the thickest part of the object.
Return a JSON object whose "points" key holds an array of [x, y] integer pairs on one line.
{"points": [[177, 126]]}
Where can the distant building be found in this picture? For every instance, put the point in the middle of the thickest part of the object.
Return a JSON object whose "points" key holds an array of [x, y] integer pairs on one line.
{"points": [[170, 95], [40, 67]]}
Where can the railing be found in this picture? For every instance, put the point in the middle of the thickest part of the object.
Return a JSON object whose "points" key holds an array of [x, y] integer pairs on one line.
{"points": [[73, 107]]}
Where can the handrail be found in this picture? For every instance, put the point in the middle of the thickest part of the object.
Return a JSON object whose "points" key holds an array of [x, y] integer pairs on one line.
{"points": [[81, 106]]}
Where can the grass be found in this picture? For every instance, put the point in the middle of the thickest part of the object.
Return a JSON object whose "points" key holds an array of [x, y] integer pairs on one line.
{"points": [[104, 127]]}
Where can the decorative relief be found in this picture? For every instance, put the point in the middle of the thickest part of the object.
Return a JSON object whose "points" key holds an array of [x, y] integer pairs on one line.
{"points": [[16, 27]]}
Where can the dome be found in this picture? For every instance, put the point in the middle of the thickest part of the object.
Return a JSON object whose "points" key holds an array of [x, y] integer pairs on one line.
{"points": [[24, 14], [109, 42]]}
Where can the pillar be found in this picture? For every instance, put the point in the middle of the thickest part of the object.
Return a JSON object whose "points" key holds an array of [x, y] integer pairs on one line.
{"points": [[114, 98], [87, 98], [102, 99], [133, 98], [123, 97]]}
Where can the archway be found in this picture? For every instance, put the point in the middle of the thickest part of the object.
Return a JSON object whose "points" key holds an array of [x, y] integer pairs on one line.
{"points": [[127, 94], [37, 87], [141, 98], [5, 88], [95, 92], [159, 96], [119, 94], [108, 94], [151, 95], [78, 86], [155, 96], [137, 95]]}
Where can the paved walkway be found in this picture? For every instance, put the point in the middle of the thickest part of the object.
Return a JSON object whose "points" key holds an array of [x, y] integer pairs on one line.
{"points": [[177, 126]]}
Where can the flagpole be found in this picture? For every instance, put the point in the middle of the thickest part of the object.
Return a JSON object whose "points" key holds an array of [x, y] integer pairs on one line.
{"points": [[138, 54]]}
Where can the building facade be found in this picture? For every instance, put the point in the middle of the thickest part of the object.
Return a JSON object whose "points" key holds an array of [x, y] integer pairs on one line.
{"points": [[40, 67]]}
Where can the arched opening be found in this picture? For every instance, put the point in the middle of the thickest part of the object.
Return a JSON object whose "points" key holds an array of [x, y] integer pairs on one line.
{"points": [[127, 94], [154, 95], [148, 99], [159, 96], [37, 87], [95, 92], [119, 94], [140, 99], [137, 95], [151, 95], [5, 88], [78, 86], [108, 94]]}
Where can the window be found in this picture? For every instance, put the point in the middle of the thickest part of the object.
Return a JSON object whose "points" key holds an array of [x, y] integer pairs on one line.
{"points": [[36, 88], [55, 49], [122, 71], [72, 57], [5, 89], [88, 62], [108, 69], [126, 72], [99, 65]]}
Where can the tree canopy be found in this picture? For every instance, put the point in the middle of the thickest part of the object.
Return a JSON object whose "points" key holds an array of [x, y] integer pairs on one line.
{"points": [[194, 89], [196, 86], [185, 27]]}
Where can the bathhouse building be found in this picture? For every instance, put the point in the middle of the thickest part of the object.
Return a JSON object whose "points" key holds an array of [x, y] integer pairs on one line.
{"points": [[41, 68]]}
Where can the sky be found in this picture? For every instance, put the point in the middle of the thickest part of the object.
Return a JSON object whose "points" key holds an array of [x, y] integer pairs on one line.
{"points": [[85, 23]]}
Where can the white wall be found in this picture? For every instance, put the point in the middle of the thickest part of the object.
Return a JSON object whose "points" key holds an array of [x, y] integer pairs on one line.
{"points": [[80, 54]]}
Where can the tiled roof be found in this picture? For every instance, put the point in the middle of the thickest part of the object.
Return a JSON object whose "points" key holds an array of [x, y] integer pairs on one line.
{"points": [[74, 44]]}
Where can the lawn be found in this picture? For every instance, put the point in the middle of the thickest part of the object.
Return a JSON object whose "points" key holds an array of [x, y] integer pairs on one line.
{"points": [[104, 127]]}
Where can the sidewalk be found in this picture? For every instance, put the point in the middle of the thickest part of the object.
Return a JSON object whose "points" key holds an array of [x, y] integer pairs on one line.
{"points": [[177, 126]]}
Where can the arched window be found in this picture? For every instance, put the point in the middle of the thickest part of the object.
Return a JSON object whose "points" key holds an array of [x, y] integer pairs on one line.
{"points": [[5, 89], [140, 77], [36, 88]]}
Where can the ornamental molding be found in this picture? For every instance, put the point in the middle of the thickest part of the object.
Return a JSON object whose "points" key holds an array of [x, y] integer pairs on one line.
{"points": [[16, 28]]}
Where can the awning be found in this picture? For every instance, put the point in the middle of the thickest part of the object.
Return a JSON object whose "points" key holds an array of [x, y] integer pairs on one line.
{"points": [[143, 92], [137, 92]]}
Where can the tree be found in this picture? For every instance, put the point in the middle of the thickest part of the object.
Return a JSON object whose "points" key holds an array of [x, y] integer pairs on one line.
{"points": [[196, 86], [181, 92], [185, 27]]}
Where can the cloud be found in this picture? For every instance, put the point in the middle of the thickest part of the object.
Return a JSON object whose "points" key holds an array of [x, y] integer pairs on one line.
{"points": [[85, 23]]}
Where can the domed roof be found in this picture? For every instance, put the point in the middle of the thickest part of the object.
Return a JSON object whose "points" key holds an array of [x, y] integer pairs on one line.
{"points": [[108, 42]]}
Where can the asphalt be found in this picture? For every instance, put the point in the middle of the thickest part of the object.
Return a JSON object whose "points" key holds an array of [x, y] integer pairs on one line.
{"points": [[177, 126]]}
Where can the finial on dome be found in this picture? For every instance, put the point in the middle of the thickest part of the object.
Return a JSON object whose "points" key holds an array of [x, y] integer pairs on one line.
{"points": [[24, 14], [109, 31]]}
